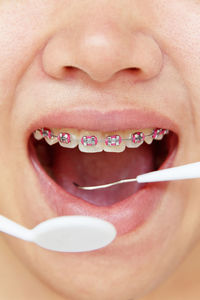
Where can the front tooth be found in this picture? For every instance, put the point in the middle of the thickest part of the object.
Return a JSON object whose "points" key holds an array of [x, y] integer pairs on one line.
{"points": [[113, 142], [90, 141], [67, 138], [93, 141]]}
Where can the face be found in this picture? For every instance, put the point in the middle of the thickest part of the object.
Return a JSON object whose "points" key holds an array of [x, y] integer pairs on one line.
{"points": [[101, 69]]}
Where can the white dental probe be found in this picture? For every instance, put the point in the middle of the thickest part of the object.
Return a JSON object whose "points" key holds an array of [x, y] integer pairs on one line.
{"points": [[188, 171]]}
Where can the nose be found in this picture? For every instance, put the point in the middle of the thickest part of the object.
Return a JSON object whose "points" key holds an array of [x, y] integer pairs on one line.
{"points": [[102, 49]]}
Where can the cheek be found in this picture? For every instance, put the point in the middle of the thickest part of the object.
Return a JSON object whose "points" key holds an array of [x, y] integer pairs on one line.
{"points": [[22, 33], [178, 24], [179, 31]]}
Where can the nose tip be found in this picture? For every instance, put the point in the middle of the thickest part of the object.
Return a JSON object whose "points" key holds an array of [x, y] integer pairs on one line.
{"points": [[99, 59], [104, 57], [101, 55]]}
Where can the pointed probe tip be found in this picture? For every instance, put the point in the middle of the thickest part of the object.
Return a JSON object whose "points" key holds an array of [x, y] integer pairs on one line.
{"points": [[76, 184]]}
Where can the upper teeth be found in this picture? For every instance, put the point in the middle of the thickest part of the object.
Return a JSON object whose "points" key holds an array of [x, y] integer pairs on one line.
{"points": [[92, 141]]}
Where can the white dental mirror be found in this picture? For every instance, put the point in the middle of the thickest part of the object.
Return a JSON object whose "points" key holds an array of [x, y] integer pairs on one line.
{"points": [[64, 234]]}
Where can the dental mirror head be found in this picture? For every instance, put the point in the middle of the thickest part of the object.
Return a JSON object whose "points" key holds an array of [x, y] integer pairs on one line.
{"points": [[64, 234]]}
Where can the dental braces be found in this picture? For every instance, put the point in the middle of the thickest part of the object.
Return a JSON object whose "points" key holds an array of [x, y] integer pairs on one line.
{"points": [[90, 141]]}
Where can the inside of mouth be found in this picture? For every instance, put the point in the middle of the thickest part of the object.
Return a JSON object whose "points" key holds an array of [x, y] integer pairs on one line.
{"points": [[66, 166]]}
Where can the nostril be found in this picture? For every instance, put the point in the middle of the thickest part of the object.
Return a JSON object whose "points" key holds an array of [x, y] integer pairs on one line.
{"points": [[131, 75], [134, 71], [69, 70]]}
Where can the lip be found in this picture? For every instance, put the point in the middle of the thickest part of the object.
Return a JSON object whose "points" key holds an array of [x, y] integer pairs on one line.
{"points": [[126, 215], [103, 120]]}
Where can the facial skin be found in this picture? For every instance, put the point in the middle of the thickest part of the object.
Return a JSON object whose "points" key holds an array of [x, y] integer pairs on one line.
{"points": [[101, 40]]}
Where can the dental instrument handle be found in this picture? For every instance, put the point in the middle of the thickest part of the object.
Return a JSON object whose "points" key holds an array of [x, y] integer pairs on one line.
{"points": [[14, 229], [188, 171]]}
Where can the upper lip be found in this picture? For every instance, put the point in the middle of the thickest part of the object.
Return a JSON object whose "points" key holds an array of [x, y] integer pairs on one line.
{"points": [[104, 121]]}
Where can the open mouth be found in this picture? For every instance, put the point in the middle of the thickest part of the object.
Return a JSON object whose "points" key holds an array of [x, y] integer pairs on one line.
{"points": [[93, 158], [61, 156]]}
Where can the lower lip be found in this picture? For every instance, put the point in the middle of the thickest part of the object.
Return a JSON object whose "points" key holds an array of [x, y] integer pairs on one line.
{"points": [[126, 215]]}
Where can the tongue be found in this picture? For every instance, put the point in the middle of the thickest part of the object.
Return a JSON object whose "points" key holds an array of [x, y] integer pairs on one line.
{"points": [[71, 165]]}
